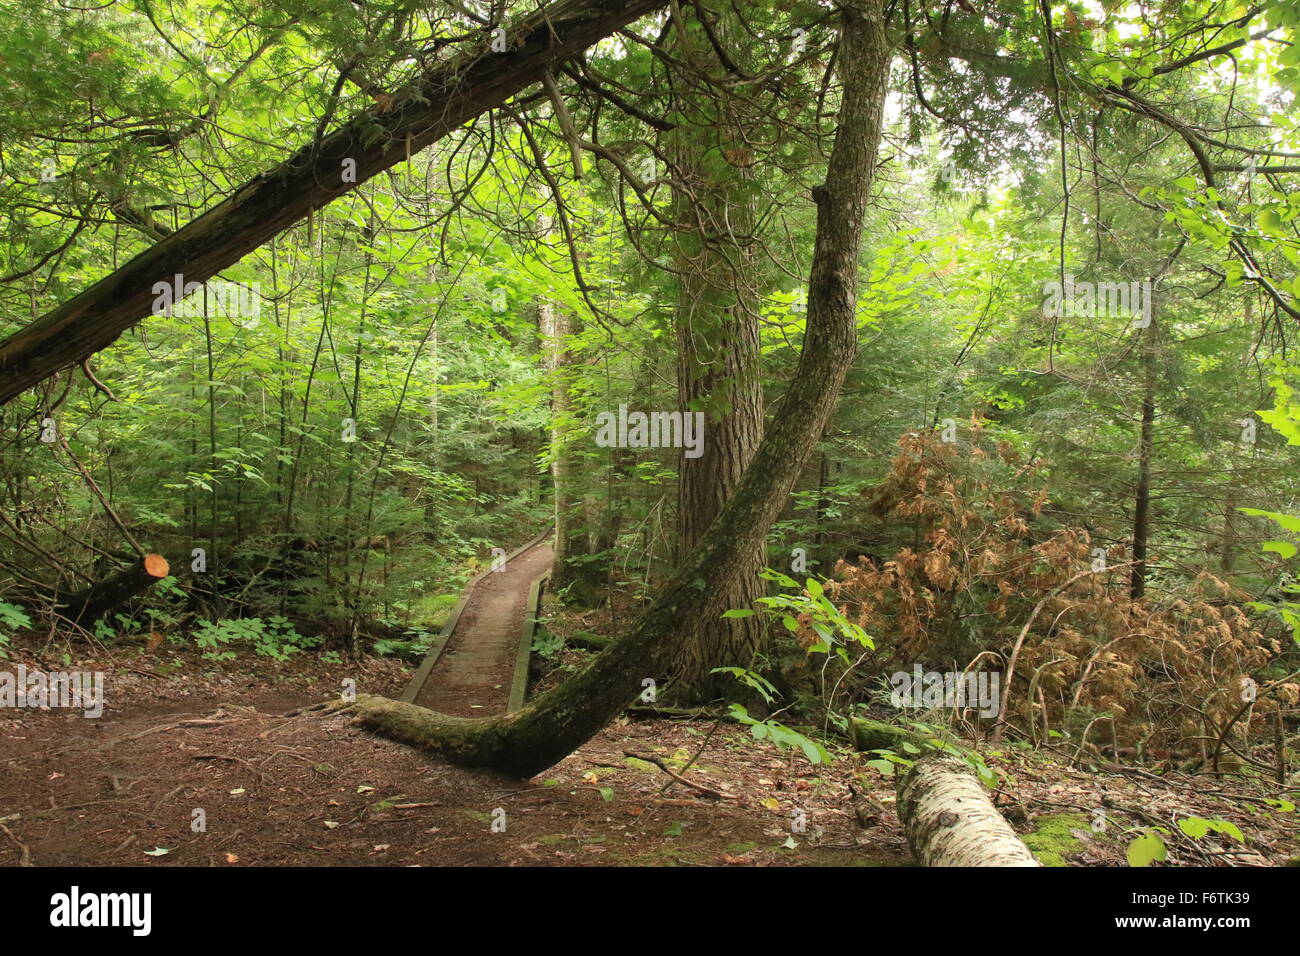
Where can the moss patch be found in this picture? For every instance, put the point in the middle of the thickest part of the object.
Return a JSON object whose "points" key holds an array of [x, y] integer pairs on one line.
{"points": [[1052, 840]]}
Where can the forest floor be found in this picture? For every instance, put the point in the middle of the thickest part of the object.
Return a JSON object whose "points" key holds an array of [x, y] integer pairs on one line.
{"points": [[277, 789]]}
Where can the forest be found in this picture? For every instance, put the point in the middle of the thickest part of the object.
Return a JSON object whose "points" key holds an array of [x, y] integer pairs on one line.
{"points": [[782, 433]]}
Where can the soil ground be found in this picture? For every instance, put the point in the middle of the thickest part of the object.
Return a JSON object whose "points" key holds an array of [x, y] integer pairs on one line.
{"points": [[280, 790], [196, 762]]}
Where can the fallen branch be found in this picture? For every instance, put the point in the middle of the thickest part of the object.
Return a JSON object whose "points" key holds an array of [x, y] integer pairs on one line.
{"points": [[699, 788], [100, 599], [947, 816], [1024, 632]]}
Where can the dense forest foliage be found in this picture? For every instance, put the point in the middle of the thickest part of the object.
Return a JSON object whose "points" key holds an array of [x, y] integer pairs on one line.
{"points": [[1064, 449]]}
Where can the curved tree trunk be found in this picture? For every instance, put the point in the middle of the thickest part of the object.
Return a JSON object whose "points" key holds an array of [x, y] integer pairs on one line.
{"points": [[553, 726]]}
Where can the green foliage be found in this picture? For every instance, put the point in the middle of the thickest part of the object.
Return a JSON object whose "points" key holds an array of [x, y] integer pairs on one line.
{"points": [[1284, 417], [781, 735], [545, 644], [274, 637], [1149, 847], [416, 643], [931, 741], [834, 631], [12, 618]]}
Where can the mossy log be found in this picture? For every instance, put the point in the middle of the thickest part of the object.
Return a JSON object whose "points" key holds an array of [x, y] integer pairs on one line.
{"points": [[590, 642], [878, 735]]}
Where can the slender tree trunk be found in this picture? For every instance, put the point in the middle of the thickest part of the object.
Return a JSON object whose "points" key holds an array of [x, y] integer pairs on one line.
{"points": [[1228, 540], [1142, 497], [213, 524], [554, 326], [551, 727]]}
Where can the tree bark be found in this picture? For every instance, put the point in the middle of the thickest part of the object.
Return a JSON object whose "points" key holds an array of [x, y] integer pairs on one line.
{"points": [[950, 821], [551, 727], [555, 325], [447, 97], [718, 359]]}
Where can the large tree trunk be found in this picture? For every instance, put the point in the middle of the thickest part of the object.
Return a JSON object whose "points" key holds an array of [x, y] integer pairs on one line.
{"points": [[447, 97], [718, 365], [550, 728]]}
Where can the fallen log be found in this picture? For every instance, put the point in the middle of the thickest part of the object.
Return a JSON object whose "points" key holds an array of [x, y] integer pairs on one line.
{"points": [[589, 642], [445, 98], [948, 818], [93, 603]]}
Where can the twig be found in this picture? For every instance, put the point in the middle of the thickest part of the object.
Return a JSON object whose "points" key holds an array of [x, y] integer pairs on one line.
{"points": [[25, 857], [699, 788], [1024, 632]]}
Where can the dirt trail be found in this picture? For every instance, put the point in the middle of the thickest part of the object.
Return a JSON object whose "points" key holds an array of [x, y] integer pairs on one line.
{"points": [[472, 676]]}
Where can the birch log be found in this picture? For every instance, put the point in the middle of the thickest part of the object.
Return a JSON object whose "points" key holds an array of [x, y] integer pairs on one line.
{"points": [[950, 821]]}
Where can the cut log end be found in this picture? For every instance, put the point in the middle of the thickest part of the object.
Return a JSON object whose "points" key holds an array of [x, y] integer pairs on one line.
{"points": [[90, 605]]}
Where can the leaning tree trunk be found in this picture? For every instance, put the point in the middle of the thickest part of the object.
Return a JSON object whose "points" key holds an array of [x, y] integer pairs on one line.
{"points": [[553, 726], [438, 103], [950, 821]]}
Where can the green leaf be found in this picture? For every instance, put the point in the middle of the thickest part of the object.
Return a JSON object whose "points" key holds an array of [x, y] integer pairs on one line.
{"points": [[1285, 548], [1147, 849], [1287, 522], [1197, 827]]}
